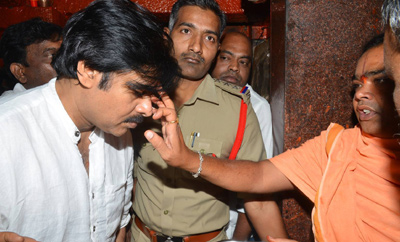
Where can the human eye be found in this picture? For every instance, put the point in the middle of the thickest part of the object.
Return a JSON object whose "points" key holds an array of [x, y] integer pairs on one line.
{"points": [[211, 38], [244, 63], [224, 57], [383, 80], [50, 54], [185, 31], [356, 84]]}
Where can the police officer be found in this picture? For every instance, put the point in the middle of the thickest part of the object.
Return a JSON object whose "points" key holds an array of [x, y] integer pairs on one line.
{"points": [[171, 204]]}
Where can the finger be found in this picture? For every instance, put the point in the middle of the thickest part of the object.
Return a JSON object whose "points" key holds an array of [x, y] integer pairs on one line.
{"points": [[11, 237], [167, 101], [270, 239], [26, 239], [157, 142], [166, 113], [154, 99]]}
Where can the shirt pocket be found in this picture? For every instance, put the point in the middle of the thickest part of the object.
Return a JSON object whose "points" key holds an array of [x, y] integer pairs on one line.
{"points": [[205, 145], [115, 201]]}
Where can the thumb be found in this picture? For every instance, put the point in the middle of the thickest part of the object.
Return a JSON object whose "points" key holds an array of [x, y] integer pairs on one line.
{"points": [[270, 239], [11, 237], [157, 142]]}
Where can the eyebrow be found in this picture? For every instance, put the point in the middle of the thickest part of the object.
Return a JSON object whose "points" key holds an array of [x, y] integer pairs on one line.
{"points": [[371, 73], [49, 49], [190, 25], [230, 53]]}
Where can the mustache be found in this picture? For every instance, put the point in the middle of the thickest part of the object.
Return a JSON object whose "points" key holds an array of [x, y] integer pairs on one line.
{"points": [[231, 74], [134, 119], [193, 56]]}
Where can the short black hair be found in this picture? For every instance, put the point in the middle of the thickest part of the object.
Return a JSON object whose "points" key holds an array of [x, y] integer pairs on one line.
{"points": [[236, 31], [115, 37], [203, 4], [374, 42], [16, 38]]}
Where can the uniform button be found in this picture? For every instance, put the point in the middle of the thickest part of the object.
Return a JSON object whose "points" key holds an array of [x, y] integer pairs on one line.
{"points": [[77, 133], [94, 228], [166, 212], [144, 145], [93, 195]]}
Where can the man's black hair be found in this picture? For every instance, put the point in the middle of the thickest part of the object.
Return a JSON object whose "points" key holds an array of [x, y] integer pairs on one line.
{"points": [[374, 42], [16, 38], [203, 4], [115, 37]]}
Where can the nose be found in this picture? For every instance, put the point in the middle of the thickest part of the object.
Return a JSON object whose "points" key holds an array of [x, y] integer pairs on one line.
{"points": [[145, 106], [233, 66], [196, 44], [364, 92]]}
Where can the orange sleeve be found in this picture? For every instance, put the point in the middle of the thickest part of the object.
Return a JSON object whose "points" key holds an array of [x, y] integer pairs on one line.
{"points": [[304, 166]]}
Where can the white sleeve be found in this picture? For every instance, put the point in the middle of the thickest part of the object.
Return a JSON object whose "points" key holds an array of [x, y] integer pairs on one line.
{"points": [[263, 112]]}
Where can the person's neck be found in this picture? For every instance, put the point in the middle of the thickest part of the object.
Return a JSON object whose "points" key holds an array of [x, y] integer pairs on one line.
{"points": [[185, 91], [68, 91]]}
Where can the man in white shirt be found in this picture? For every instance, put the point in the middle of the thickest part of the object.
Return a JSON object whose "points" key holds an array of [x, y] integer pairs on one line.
{"points": [[66, 154], [233, 64], [27, 49]]}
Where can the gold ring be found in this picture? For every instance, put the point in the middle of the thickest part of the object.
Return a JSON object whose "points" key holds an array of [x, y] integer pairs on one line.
{"points": [[175, 121]]}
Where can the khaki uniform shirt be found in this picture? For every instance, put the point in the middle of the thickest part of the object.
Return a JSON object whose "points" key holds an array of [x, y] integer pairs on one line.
{"points": [[169, 200]]}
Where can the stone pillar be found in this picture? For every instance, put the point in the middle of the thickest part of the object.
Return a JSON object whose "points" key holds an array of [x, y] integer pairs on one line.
{"points": [[314, 48]]}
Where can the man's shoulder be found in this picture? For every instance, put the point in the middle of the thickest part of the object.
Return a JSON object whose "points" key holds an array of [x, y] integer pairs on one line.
{"points": [[229, 89]]}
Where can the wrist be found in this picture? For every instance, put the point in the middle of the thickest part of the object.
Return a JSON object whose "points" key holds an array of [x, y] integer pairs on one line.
{"points": [[197, 174]]}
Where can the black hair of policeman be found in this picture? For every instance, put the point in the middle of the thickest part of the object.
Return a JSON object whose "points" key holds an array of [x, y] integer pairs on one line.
{"points": [[203, 4], [17, 37], [115, 37]]}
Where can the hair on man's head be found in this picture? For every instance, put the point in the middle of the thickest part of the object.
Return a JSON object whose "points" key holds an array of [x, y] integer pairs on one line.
{"points": [[391, 20], [203, 4], [17, 37], [115, 37], [374, 42]]}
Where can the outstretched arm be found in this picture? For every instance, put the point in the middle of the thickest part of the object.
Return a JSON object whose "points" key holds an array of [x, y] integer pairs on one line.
{"points": [[241, 176]]}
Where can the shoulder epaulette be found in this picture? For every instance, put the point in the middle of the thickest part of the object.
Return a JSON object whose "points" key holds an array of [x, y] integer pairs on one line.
{"points": [[241, 92]]}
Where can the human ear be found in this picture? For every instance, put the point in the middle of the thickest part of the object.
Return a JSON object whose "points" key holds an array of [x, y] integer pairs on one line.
{"points": [[166, 30], [18, 70], [87, 77]]}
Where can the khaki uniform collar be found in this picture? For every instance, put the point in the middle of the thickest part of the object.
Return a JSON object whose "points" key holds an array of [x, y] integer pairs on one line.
{"points": [[206, 91]]}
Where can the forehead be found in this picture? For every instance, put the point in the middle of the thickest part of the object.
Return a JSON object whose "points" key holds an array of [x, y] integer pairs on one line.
{"points": [[198, 17], [43, 46], [371, 60], [237, 44]]}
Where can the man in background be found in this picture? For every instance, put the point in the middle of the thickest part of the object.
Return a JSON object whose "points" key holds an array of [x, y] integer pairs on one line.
{"points": [[233, 65], [27, 50]]}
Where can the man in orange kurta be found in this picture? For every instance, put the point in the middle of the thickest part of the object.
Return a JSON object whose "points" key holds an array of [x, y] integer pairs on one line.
{"points": [[356, 190], [352, 175]]}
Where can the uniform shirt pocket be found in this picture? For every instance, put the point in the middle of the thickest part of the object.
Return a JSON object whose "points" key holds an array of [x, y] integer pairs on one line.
{"points": [[205, 145]]}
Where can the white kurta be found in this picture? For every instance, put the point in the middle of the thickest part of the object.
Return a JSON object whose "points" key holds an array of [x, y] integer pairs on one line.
{"points": [[45, 192], [17, 89]]}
